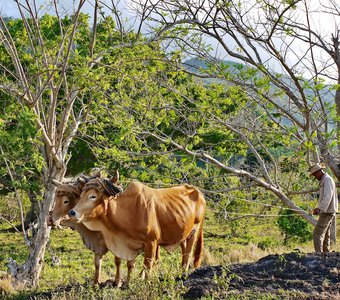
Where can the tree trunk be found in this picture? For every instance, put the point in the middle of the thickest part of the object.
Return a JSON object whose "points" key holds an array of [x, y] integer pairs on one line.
{"points": [[29, 272], [33, 214]]}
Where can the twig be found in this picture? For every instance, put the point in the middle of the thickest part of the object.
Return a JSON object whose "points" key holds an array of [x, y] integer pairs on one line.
{"points": [[8, 222], [17, 197]]}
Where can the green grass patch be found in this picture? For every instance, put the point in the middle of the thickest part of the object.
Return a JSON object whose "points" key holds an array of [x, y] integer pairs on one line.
{"points": [[227, 241]]}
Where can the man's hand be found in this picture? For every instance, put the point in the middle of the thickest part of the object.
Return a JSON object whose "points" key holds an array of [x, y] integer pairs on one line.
{"points": [[316, 211]]}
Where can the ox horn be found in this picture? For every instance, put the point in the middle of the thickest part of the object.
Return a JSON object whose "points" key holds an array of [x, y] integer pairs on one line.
{"points": [[115, 177], [82, 179]]}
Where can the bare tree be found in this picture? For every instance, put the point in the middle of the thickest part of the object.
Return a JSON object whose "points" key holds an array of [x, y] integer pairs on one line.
{"points": [[282, 61], [56, 116]]}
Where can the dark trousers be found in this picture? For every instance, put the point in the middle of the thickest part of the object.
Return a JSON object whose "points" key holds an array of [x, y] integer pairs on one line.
{"points": [[321, 233]]}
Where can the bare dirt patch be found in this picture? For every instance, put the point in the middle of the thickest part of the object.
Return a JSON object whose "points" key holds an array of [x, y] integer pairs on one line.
{"points": [[309, 276]]}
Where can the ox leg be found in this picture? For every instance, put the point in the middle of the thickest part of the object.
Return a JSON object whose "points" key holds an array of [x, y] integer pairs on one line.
{"points": [[97, 266], [130, 266], [183, 248], [149, 256], [157, 253], [118, 275], [186, 252]]}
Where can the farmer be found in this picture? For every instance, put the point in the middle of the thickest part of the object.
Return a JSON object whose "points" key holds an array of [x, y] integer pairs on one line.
{"points": [[326, 209]]}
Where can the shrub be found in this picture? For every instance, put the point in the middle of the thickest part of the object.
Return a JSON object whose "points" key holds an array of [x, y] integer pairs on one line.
{"points": [[294, 227]]}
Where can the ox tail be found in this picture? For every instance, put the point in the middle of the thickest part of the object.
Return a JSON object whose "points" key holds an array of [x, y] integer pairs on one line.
{"points": [[199, 247]]}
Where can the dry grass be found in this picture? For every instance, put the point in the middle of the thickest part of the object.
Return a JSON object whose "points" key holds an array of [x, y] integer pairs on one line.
{"points": [[6, 287], [246, 254]]}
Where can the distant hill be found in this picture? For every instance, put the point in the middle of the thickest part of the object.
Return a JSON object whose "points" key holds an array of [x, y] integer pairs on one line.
{"points": [[196, 66]]}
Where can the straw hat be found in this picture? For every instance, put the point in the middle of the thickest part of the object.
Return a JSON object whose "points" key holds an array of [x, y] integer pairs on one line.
{"points": [[316, 167]]}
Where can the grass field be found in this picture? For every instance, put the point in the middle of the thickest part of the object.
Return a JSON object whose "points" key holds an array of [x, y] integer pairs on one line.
{"points": [[71, 277]]}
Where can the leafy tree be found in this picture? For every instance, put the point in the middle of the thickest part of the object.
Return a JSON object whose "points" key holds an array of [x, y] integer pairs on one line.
{"points": [[51, 73], [144, 94]]}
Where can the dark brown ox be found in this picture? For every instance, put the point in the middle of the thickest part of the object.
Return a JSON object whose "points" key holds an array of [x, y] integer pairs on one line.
{"points": [[141, 218], [66, 197]]}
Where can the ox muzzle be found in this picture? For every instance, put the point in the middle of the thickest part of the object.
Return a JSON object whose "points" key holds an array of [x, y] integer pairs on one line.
{"points": [[74, 215], [50, 219]]}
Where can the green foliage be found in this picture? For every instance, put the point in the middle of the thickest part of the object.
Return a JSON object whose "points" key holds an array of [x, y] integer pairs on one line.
{"points": [[135, 90], [149, 94], [82, 158], [20, 147], [294, 227]]}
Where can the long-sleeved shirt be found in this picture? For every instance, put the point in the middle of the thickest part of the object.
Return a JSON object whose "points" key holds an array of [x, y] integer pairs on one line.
{"points": [[328, 199]]}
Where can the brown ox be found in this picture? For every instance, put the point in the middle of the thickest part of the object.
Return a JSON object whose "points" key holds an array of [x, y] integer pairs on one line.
{"points": [[141, 218], [66, 197]]}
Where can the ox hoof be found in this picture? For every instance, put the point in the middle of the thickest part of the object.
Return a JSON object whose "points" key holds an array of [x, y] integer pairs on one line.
{"points": [[112, 283], [125, 286]]}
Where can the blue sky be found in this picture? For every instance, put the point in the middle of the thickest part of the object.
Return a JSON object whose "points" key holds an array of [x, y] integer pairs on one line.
{"points": [[8, 8], [323, 23]]}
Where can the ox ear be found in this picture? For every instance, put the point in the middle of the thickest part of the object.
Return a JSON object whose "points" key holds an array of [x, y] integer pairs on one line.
{"points": [[115, 177], [56, 183]]}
